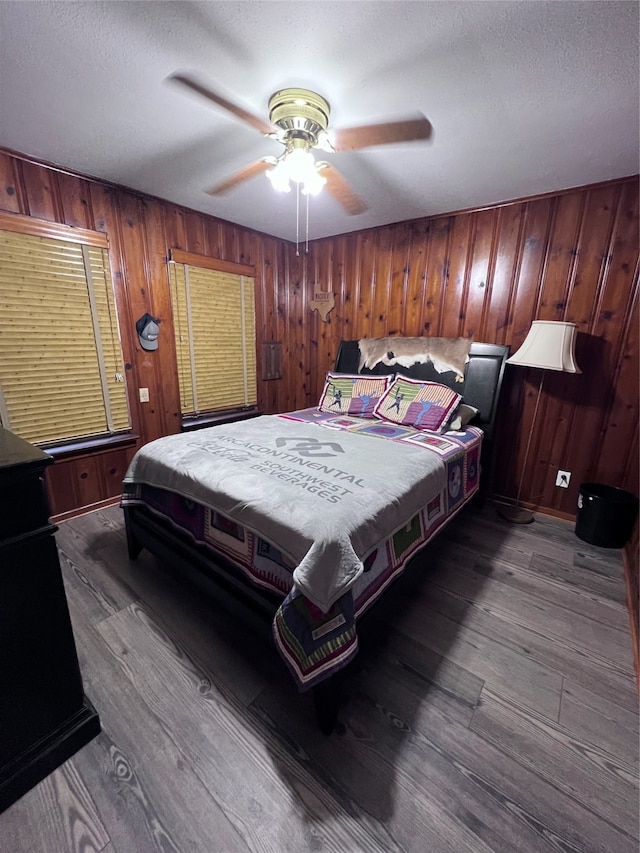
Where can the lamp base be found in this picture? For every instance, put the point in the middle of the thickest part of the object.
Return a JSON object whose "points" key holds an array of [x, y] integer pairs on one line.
{"points": [[515, 514]]}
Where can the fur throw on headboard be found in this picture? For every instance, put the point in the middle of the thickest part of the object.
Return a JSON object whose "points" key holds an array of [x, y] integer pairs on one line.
{"points": [[444, 353]]}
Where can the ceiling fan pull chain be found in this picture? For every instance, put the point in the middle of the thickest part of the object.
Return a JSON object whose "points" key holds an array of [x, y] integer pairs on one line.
{"points": [[306, 245], [297, 218]]}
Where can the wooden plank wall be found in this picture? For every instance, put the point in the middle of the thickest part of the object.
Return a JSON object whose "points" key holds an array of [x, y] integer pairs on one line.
{"points": [[487, 274], [141, 231], [484, 273]]}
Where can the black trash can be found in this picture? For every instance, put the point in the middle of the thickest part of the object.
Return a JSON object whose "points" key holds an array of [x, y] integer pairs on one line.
{"points": [[606, 515]]}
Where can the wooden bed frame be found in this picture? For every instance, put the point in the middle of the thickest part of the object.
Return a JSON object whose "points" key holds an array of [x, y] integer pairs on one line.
{"points": [[483, 380]]}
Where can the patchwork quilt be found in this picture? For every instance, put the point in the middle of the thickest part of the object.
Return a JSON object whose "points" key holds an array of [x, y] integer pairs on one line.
{"points": [[324, 517]]}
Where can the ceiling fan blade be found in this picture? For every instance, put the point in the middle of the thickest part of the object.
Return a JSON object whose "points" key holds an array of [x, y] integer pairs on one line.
{"points": [[387, 133], [235, 109], [250, 171], [338, 187]]}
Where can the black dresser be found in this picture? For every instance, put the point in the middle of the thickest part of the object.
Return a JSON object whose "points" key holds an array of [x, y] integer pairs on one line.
{"points": [[44, 714]]}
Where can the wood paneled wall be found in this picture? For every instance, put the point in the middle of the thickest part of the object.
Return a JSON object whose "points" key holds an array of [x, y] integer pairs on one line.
{"points": [[487, 274], [141, 232], [484, 273]]}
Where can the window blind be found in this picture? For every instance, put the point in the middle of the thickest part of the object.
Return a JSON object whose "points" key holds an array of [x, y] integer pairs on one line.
{"points": [[214, 323], [61, 370]]}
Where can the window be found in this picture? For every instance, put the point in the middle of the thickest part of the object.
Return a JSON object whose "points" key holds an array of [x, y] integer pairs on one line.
{"points": [[61, 370], [214, 320]]}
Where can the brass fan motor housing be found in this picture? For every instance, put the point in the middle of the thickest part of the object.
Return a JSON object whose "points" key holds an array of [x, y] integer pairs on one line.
{"points": [[299, 113]]}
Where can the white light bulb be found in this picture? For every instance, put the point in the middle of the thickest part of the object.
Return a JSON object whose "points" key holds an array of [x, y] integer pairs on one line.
{"points": [[314, 183], [299, 164], [279, 177]]}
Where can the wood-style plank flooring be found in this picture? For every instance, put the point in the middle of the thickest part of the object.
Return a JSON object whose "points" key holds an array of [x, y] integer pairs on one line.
{"points": [[492, 708]]}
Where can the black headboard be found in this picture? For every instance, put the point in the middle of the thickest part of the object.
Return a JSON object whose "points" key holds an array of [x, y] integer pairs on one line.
{"points": [[482, 383]]}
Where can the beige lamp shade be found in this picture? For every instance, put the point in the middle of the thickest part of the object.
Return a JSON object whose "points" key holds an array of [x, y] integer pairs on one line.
{"points": [[549, 345]]}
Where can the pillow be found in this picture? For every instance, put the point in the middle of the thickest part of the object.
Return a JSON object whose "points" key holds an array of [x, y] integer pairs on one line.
{"points": [[423, 405], [462, 416], [355, 395]]}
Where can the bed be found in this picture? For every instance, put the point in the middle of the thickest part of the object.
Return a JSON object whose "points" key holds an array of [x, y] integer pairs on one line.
{"points": [[309, 516]]}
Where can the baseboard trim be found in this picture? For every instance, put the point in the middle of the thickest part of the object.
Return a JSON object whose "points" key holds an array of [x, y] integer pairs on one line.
{"points": [[83, 510], [541, 510]]}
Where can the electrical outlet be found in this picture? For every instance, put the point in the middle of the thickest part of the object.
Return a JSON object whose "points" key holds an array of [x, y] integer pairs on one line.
{"points": [[563, 478], [144, 395]]}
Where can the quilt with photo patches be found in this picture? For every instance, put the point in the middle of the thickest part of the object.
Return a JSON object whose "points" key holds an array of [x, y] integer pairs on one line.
{"points": [[324, 517]]}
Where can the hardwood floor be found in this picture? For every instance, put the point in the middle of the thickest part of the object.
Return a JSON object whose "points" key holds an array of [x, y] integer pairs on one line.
{"points": [[492, 708]]}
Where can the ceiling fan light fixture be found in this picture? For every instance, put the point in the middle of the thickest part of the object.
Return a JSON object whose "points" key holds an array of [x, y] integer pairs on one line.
{"points": [[314, 183], [279, 177], [299, 163], [324, 142]]}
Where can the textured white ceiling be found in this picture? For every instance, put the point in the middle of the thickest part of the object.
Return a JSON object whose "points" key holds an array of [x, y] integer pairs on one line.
{"points": [[524, 97]]}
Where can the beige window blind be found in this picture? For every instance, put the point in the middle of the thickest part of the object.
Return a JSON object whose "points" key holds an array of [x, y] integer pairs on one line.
{"points": [[61, 366], [214, 322]]}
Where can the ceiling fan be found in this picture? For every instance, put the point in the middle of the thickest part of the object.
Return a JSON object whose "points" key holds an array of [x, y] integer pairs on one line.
{"points": [[299, 118]]}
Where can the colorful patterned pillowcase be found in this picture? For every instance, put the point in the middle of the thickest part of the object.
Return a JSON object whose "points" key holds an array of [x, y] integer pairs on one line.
{"points": [[351, 394], [422, 405]]}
